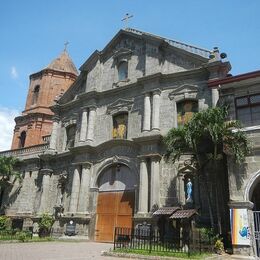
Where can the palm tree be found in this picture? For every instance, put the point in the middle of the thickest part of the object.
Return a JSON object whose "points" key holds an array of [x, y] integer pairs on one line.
{"points": [[207, 137], [8, 175]]}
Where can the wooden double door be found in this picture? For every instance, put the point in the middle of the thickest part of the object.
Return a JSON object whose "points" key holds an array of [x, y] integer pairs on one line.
{"points": [[114, 209]]}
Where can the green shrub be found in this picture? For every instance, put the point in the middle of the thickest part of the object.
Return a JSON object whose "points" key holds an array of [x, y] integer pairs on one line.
{"points": [[22, 236], [45, 224], [219, 246], [5, 223]]}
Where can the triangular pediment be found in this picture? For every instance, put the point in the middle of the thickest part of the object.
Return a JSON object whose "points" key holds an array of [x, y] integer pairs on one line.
{"points": [[185, 89], [124, 40], [120, 105]]}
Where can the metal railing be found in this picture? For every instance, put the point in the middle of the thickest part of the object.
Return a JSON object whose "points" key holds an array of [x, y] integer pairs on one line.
{"points": [[257, 231], [22, 152], [151, 240], [15, 235]]}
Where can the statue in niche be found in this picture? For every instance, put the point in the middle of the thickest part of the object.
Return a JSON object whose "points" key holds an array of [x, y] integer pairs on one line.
{"points": [[189, 191], [120, 126]]}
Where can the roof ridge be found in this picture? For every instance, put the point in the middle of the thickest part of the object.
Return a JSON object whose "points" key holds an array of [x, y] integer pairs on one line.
{"points": [[188, 47]]}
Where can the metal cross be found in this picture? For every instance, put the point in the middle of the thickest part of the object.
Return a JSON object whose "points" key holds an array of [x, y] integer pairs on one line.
{"points": [[126, 18], [66, 44]]}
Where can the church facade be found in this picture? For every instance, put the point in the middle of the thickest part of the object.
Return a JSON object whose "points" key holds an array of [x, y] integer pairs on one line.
{"points": [[103, 165]]}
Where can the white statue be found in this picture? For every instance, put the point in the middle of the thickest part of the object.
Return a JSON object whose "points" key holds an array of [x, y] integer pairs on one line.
{"points": [[189, 191]]}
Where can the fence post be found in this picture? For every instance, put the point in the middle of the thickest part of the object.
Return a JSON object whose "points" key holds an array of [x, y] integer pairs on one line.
{"points": [[150, 244], [200, 241], [189, 244]]}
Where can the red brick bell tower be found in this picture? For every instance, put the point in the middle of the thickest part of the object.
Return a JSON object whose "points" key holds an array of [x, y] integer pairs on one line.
{"points": [[35, 124]]}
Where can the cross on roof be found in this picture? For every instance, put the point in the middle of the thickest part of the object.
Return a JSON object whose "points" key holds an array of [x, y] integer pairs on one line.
{"points": [[66, 44], [126, 18]]}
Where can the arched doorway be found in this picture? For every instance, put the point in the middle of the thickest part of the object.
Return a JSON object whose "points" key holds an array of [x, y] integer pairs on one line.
{"points": [[115, 203]]}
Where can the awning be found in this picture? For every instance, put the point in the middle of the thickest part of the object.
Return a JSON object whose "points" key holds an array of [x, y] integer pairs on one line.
{"points": [[165, 211], [185, 213]]}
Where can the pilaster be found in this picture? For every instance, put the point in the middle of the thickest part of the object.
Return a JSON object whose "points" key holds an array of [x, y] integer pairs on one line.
{"points": [[143, 187], [147, 112]]}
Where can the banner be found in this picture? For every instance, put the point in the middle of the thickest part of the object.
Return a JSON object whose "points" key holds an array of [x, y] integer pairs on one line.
{"points": [[239, 227]]}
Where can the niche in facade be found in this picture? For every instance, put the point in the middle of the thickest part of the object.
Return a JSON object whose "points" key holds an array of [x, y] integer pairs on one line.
{"points": [[185, 110], [120, 126]]}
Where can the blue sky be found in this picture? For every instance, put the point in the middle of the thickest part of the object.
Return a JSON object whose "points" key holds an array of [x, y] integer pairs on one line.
{"points": [[33, 32]]}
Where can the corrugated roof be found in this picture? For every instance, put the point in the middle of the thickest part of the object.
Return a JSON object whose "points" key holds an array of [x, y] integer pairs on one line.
{"points": [[187, 47], [165, 211], [63, 63], [185, 213]]}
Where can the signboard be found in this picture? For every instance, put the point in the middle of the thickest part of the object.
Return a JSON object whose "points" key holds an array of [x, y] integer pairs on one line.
{"points": [[239, 227], [71, 228]]}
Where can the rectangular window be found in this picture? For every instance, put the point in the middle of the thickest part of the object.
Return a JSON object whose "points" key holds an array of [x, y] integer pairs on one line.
{"points": [[248, 110]]}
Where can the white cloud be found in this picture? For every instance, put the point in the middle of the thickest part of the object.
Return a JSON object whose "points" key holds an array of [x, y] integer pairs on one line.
{"points": [[14, 73], [7, 124]]}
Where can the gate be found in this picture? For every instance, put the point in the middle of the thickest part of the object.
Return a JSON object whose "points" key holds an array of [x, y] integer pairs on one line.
{"points": [[257, 231]]}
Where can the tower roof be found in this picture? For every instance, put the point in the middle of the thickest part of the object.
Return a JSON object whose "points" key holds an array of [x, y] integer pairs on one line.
{"points": [[63, 63]]}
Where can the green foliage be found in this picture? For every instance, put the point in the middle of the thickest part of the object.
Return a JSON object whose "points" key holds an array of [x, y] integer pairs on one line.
{"points": [[22, 236], [184, 255], [45, 224], [7, 170], [5, 223], [219, 246], [46, 221], [207, 135]]}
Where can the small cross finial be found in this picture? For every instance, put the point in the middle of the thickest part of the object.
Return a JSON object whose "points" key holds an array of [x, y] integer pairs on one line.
{"points": [[66, 45], [126, 18]]}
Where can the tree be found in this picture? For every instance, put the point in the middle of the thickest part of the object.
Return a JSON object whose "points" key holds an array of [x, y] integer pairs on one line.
{"points": [[8, 175], [207, 137], [7, 170]]}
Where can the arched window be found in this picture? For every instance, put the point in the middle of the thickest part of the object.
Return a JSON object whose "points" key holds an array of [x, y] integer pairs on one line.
{"points": [[120, 126], [185, 110], [122, 70], [22, 138], [35, 94]]}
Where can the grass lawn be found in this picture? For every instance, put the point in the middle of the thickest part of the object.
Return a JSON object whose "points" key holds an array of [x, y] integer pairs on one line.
{"points": [[171, 254]]}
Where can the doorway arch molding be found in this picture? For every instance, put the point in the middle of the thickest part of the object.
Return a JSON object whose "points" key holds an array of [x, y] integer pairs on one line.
{"points": [[113, 161], [251, 184]]}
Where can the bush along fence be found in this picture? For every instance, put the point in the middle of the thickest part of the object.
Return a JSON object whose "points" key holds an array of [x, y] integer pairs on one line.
{"points": [[150, 240], [13, 234]]}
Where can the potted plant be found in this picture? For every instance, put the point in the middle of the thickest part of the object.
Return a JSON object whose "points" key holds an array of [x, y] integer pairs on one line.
{"points": [[45, 224]]}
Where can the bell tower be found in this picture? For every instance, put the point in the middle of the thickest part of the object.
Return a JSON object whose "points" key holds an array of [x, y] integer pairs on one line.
{"points": [[34, 126]]}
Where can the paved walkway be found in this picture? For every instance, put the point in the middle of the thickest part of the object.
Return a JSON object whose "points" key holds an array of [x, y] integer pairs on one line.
{"points": [[54, 251]]}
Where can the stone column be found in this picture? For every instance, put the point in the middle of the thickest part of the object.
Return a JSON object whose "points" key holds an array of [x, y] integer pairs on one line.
{"points": [[156, 110], [143, 187], [147, 113], [182, 198], [155, 182], [44, 201], [75, 190], [214, 96], [54, 133], [84, 189], [25, 202], [84, 125], [91, 124]]}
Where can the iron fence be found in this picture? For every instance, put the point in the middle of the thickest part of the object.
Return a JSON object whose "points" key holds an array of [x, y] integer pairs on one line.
{"points": [[257, 231], [15, 235], [150, 240]]}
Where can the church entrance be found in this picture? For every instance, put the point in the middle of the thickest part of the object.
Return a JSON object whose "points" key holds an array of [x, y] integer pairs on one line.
{"points": [[115, 203]]}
